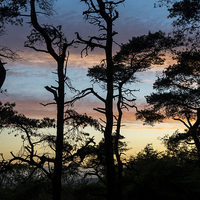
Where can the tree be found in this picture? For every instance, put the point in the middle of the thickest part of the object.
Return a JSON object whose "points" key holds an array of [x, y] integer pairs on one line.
{"points": [[29, 130], [185, 12], [186, 20], [177, 97], [113, 74], [2, 74], [56, 45], [178, 86], [162, 175], [7, 15], [37, 154], [103, 14], [134, 57], [10, 13], [137, 56], [53, 38], [50, 34]]}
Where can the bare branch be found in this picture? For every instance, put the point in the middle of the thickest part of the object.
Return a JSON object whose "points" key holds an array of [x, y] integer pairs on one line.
{"points": [[100, 110], [178, 119], [188, 119], [32, 47], [5, 52], [53, 92], [47, 104], [89, 43], [84, 93]]}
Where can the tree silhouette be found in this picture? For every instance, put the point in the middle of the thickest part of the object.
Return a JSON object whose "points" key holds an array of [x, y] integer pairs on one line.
{"points": [[177, 97], [134, 57], [76, 144], [52, 35], [113, 74], [10, 13], [186, 20], [53, 38], [186, 12], [103, 14], [137, 56], [29, 130], [56, 45], [2, 74]]}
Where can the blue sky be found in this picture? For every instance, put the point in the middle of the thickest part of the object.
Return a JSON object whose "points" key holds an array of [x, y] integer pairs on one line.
{"points": [[27, 77]]}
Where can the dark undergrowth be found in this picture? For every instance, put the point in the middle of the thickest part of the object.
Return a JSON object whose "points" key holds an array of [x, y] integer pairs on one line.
{"points": [[149, 175]]}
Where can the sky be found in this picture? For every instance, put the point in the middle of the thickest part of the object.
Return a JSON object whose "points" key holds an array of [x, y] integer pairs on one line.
{"points": [[27, 77]]}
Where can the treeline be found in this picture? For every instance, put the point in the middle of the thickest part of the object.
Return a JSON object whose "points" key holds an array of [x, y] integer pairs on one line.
{"points": [[150, 174]]}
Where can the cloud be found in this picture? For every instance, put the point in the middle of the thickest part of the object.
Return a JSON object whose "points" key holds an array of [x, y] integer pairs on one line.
{"points": [[30, 107], [134, 19], [27, 77]]}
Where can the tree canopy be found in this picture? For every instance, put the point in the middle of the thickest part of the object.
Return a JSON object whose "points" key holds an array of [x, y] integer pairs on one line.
{"points": [[177, 97]]}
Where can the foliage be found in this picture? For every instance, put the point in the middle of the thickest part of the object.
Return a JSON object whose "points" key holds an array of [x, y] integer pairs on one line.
{"points": [[177, 97], [186, 12], [138, 55], [77, 143], [186, 20], [18, 183], [171, 174], [103, 14], [161, 175], [10, 12], [145, 50], [10, 118], [13, 11]]}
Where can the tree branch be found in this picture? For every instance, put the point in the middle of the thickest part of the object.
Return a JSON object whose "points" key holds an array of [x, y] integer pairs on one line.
{"points": [[32, 47], [53, 92], [89, 43], [84, 93], [178, 119]]}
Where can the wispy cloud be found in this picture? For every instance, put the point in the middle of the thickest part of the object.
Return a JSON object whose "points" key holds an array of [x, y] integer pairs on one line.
{"points": [[27, 77]]}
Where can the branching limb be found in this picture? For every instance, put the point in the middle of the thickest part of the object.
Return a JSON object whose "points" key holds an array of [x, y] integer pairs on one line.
{"points": [[178, 119], [95, 174], [32, 47], [101, 110], [47, 104], [5, 52], [53, 91], [84, 93], [126, 105], [188, 119], [89, 43]]}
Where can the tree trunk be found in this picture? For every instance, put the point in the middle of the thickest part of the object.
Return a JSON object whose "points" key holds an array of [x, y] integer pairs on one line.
{"points": [[110, 173], [59, 98], [194, 131], [2, 74], [116, 145], [57, 185]]}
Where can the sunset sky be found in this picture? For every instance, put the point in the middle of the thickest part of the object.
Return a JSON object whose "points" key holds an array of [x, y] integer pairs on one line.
{"points": [[27, 77]]}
